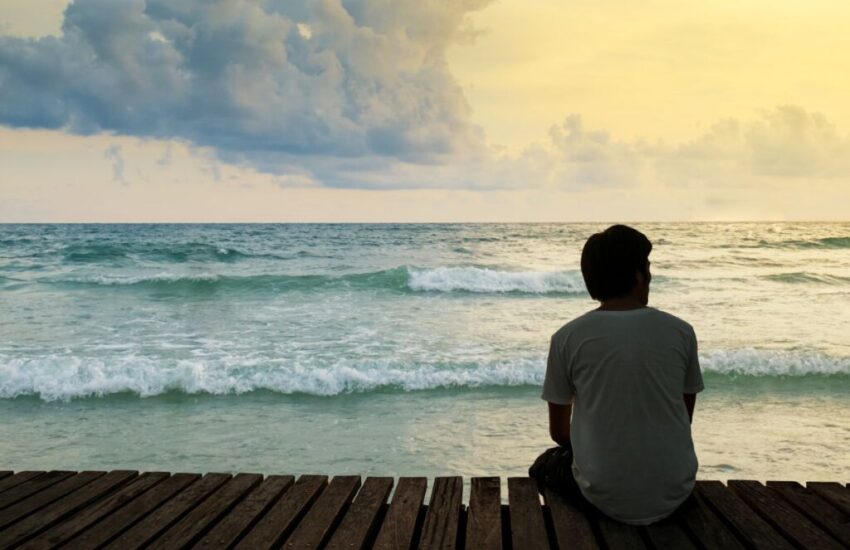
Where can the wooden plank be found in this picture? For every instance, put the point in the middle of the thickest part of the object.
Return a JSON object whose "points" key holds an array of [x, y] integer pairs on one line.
{"points": [[571, 525], [68, 529], [17, 479], [833, 493], [704, 524], [484, 519], [400, 523], [279, 521], [744, 521], [361, 521], [145, 531], [669, 533], [235, 524], [31, 487], [64, 507], [832, 520], [616, 535], [189, 529], [116, 523], [528, 529], [44, 497], [313, 531], [782, 516], [441, 520]]}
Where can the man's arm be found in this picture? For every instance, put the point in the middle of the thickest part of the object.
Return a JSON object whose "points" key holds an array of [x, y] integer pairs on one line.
{"points": [[559, 423], [690, 402]]}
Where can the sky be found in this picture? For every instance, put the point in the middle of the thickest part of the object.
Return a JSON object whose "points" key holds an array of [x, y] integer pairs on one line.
{"points": [[423, 110]]}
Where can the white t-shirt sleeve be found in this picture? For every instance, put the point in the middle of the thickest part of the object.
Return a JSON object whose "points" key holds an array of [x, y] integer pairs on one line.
{"points": [[693, 374], [557, 385]]}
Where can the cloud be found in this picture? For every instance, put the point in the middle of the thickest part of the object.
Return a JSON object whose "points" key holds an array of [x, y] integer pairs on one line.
{"points": [[113, 153], [784, 143], [350, 94], [779, 146], [269, 79]]}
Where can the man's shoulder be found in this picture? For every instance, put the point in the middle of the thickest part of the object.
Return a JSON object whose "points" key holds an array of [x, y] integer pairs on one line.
{"points": [[673, 320], [584, 320], [593, 321]]}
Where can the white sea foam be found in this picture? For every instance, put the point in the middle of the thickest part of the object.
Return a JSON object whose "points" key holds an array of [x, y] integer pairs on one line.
{"points": [[166, 277], [478, 279], [65, 376], [61, 377], [755, 362]]}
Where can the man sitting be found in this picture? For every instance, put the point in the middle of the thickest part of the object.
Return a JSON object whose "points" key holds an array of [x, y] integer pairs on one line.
{"points": [[621, 382]]}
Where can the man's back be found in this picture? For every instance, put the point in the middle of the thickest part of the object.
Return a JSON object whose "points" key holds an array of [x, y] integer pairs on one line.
{"points": [[630, 429]]}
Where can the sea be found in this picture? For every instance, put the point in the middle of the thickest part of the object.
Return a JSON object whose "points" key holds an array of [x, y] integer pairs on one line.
{"points": [[396, 349]]}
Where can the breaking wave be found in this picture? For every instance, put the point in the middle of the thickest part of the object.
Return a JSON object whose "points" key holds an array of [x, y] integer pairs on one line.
{"points": [[477, 279], [66, 376], [440, 279]]}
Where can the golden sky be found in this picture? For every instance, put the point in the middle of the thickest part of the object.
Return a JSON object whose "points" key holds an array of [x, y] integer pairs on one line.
{"points": [[385, 110]]}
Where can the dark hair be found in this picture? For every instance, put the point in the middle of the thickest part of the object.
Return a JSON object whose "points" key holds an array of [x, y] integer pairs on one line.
{"points": [[610, 259]]}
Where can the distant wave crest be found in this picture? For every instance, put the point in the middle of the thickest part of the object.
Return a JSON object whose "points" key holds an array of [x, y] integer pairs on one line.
{"points": [[826, 242], [755, 362], [176, 253], [477, 279], [66, 376], [821, 243], [807, 278], [440, 279]]}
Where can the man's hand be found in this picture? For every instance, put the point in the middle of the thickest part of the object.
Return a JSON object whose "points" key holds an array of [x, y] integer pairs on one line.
{"points": [[559, 423]]}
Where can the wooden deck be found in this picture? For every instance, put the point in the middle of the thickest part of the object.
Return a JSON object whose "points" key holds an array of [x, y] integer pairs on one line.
{"points": [[126, 510]]}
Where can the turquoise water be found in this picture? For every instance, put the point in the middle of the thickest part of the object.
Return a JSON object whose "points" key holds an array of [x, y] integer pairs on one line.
{"points": [[396, 349]]}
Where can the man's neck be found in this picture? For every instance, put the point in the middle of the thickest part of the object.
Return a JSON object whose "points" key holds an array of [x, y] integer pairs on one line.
{"points": [[621, 304]]}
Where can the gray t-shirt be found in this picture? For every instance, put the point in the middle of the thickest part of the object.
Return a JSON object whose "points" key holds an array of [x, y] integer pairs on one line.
{"points": [[634, 457]]}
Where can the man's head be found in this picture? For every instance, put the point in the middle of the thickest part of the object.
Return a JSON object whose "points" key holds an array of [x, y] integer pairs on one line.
{"points": [[615, 263]]}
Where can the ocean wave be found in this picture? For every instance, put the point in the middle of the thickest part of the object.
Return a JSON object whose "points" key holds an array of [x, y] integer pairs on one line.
{"points": [[484, 280], [177, 253], [401, 279], [821, 243], [809, 278], [762, 363], [826, 242], [64, 376]]}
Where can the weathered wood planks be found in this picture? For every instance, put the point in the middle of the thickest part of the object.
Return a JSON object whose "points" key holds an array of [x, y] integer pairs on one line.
{"points": [[122, 509], [528, 529], [782, 516], [64, 507], [281, 519], [399, 525], [484, 519], [571, 525], [363, 517], [246, 513], [746, 523], [441, 520], [830, 518], [314, 530], [131, 513], [91, 515]]}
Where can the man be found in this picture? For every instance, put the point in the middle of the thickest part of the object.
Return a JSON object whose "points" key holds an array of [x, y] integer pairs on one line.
{"points": [[621, 382]]}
